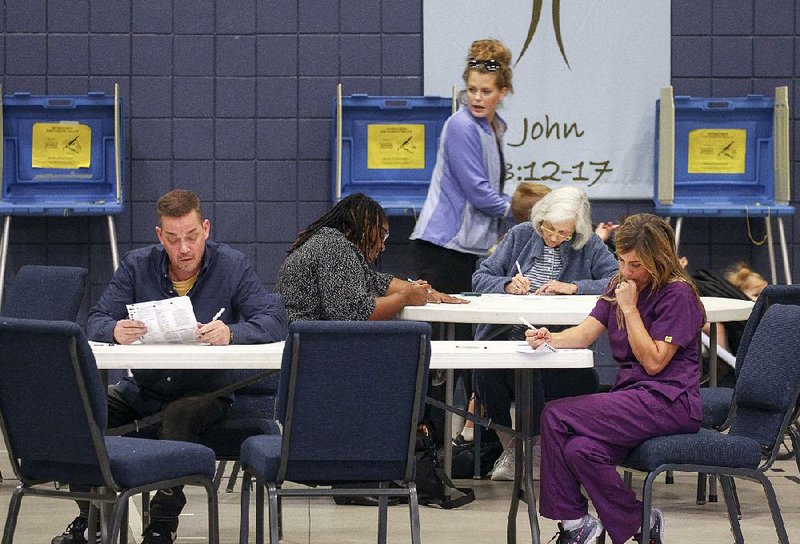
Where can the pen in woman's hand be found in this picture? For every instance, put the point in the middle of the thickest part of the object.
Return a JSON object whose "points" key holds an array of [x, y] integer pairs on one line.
{"points": [[218, 314], [527, 323], [519, 269]]}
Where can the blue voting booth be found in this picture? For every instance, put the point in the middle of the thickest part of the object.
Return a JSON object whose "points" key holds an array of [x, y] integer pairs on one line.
{"points": [[62, 156], [385, 147], [724, 157]]}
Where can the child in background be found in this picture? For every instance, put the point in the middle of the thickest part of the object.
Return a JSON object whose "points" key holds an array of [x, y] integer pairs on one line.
{"points": [[746, 280]]}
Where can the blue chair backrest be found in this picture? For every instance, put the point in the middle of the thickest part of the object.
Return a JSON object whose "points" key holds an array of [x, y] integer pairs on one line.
{"points": [[48, 377], [772, 294], [350, 398], [46, 292], [769, 382]]}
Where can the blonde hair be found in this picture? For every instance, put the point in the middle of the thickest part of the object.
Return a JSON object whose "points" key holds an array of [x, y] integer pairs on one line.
{"points": [[565, 204], [526, 195], [653, 240], [483, 50], [743, 277]]}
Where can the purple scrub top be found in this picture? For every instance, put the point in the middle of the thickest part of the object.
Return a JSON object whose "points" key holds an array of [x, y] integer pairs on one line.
{"points": [[671, 314]]}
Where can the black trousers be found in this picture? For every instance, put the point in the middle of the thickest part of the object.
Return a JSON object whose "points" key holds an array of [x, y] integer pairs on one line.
{"points": [[448, 271], [181, 419]]}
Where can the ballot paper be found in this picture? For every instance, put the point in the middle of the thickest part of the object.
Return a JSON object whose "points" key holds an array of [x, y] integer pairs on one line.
{"points": [[524, 347], [168, 321]]}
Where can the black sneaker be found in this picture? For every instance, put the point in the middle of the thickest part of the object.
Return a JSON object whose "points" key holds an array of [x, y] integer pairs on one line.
{"points": [[160, 533], [76, 532]]}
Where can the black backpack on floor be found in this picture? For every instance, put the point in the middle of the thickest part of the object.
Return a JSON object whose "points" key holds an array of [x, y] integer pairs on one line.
{"points": [[431, 479]]}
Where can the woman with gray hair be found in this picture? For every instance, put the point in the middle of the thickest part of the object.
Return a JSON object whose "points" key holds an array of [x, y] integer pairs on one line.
{"points": [[557, 252]]}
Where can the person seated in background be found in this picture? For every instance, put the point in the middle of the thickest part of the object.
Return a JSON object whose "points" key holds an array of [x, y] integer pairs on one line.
{"points": [[522, 201], [605, 230], [555, 252], [327, 274], [216, 278], [525, 196], [653, 314], [746, 280]]}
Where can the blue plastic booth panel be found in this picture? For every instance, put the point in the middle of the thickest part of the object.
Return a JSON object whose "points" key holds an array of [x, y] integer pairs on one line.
{"points": [[402, 190], [724, 194], [60, 191]]}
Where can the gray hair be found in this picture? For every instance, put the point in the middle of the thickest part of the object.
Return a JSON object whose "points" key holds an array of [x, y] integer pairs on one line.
{"points": [[565, 204]]}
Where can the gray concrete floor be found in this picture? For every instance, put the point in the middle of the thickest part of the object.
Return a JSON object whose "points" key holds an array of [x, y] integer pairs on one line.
{"points": [[320, 521]]}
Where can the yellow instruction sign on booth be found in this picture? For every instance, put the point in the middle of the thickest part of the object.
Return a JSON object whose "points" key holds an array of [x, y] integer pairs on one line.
{"points": [[61, 145], [395, 146], [717, 151]]}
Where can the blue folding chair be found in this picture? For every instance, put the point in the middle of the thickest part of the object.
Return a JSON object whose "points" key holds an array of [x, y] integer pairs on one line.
{"points": [[764, 400], [349, 401], [69, 407]]}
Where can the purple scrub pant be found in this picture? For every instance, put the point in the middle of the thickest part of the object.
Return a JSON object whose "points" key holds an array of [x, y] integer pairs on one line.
{"points": [[583, 440]]}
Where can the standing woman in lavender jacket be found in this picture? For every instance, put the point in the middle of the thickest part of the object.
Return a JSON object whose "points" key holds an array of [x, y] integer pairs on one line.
{"points": [[460, 219]]}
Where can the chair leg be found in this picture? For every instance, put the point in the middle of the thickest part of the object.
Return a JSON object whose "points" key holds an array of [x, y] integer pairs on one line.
{"points": [[383, 514], [774, 509], [219, 474], [736, 499], [213, 513], [260, 512], [794, 434], [647, 502], [244, 514], [413, 512], [272, 493], [13, 512], [701, 487], [118, 513], [729, 494], [627, 477], [232, 478], [712, 488]]}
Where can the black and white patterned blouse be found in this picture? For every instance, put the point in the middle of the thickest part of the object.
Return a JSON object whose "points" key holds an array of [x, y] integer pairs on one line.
{"points": [[328, 278]]}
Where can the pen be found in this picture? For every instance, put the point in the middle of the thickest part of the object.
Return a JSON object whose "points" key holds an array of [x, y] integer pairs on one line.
{"points": [[519, 269], [527, 323], [472, 347], [218, 314]]}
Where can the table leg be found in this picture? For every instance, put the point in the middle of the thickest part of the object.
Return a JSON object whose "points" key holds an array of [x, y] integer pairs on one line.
{"points": [[523, 475], [448, 416]]}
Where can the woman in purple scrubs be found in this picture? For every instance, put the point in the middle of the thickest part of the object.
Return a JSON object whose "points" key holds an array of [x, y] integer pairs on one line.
{"points": [[653, 314]]}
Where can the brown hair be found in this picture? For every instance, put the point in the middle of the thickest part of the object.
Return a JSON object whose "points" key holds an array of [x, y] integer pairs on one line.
{"points": [[177, 203], [483, 50], [525, 196], [653, 240]]}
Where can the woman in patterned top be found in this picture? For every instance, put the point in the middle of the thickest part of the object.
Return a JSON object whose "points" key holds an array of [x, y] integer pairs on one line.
{"points": [[327, 276], [556, 252]]}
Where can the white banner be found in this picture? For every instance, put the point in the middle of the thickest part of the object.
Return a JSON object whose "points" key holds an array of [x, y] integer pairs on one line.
{"points": [[586, 79]]}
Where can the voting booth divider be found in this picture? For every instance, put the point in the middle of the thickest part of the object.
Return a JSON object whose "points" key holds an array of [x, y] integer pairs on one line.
{"points": [[385, 147], [724, 157], [62, 156]]}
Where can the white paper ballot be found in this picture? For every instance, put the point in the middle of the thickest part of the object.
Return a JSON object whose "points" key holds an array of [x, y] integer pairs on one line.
{"points": [[168, 321], [524, 347]]}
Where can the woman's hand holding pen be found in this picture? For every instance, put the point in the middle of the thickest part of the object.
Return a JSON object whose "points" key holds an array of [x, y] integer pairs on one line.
{"points": [[518, 285], [537, 337]]}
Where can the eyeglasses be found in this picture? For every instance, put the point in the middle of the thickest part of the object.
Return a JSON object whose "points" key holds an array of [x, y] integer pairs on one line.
{"points": [[491, 65], [557, 233]]}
